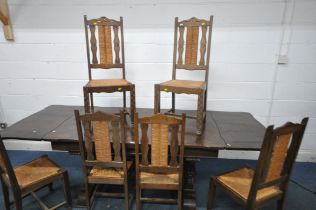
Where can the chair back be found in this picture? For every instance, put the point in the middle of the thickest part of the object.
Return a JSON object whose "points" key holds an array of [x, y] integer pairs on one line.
{"points": [[163, 144], [105, 44], [278, 153], [6, 167], [99, 130], [192, 38]]}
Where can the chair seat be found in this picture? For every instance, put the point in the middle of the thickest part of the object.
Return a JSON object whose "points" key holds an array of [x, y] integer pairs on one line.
{"points": [[159, 179], [184, 84], [239, 181], [109, 173], [107, 83], [35, 171]]}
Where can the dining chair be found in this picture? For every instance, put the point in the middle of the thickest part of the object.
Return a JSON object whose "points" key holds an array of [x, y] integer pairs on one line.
{"points": [[30, 177], [192, 37], [161, 164], [106, 52], [103, 154], [255, 188]]}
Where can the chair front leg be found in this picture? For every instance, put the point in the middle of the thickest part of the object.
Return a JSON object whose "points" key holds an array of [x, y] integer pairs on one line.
{"points": [[200, 111], [124, 100], [138, 195], [280, 203], [211, 194], [88, 194], [250, 206], [157, 99], [6, 195], [50, 186], [133, 103], [92, 104], [86, 100], [67, 193], [18, 204], [180, 199], [126, 195], [173, 103]]}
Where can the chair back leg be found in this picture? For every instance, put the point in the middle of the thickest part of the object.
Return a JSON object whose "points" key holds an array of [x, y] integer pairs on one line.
{"points": [[211, 194], [138, 194], [6, 195], [180, 199], [67, 193], [88, 199], [126, 196], [280, 203], [18, 202]]}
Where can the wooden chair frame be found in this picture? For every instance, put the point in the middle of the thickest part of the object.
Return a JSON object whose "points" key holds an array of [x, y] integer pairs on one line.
{"points": [[117, 160], [119, 61], [262, 178], [174, 164], [20, 192], [190, 63]]}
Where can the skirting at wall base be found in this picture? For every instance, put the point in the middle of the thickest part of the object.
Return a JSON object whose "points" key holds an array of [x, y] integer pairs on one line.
{"points": [[303, 156]]}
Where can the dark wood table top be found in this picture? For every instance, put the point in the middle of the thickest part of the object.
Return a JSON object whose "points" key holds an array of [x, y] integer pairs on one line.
{"points": [[223, 130]]}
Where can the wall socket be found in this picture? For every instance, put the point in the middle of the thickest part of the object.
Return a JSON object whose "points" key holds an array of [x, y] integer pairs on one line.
{"points": [[3, 125], [283, 59]]}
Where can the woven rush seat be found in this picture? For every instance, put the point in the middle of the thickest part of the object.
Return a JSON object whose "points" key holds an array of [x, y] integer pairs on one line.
{"points": [[34, 171], [185, 84], [239, 181], [155, 178], [107, 82], [109, 173]]}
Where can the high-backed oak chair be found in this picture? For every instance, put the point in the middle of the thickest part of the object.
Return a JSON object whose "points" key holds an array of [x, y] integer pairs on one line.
{"points": [[26, 179], [102, 162], [192, 37], [158, 171], [106, 52], [269, 181]]}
